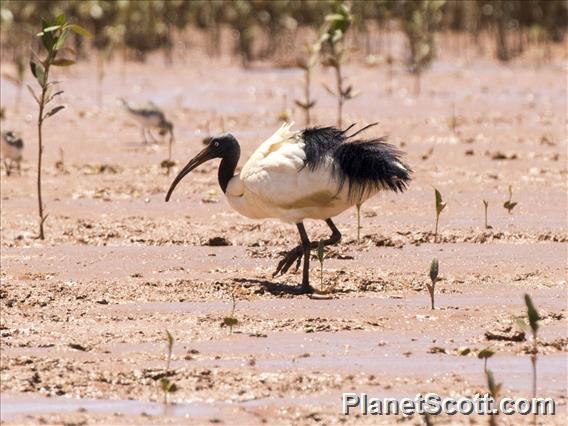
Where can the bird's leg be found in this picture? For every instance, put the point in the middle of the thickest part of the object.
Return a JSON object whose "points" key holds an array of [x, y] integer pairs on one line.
{"points": [[306, 287], [19, 163], [154, 140], [8, 168], [144, 135], [295, 255]]}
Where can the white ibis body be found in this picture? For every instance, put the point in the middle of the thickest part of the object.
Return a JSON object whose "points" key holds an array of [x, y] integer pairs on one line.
{"points": [[11, 149], [315, 173]]}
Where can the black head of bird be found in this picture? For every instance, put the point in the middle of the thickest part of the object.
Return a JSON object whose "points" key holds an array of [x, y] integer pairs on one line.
{"points": [[224, 146]]}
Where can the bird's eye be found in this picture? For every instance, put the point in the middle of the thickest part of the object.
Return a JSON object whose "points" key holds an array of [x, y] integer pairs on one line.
{"points": [[216, 144]]}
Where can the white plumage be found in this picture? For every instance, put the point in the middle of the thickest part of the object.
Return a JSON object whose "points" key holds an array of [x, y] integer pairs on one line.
{"points": [[274, 183]]}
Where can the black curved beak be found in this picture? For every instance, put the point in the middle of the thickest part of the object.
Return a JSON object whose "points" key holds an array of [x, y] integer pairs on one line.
{"points": [[199, 159]]}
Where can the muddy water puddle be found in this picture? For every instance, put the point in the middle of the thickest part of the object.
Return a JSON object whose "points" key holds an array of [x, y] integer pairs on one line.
{"points": [[14, 406]]}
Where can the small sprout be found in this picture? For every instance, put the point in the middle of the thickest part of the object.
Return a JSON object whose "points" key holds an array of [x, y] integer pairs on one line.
{"points": [[440, 206], [231, 321], [494, 390], [167, 386], [170, 340], [485, 354], [534, 319], [433, 278], [509, 204], [533, 316], [321, 257], [486, 206], [453, 121]]}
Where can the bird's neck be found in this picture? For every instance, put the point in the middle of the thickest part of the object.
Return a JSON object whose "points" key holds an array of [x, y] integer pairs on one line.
{"points": [[228, 166]]}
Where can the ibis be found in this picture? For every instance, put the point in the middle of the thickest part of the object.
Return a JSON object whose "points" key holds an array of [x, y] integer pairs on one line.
{"points": [[314, 173], [11, 149], [150, 116]]}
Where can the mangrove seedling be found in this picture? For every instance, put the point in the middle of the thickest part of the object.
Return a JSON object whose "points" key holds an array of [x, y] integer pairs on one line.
{"points": [[433, 278], [321, 258], [231, 321], [440, 206], [307, 64], [485, 354], [494, 391], [486, 206], [166, 385], [509, 204], [534, 319], [420, 19], [53, 37], [333, 50]]}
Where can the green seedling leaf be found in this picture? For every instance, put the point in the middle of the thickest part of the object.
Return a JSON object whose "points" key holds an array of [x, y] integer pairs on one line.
{"points": [[440, 205], [38, 72], [53, 96], [532, 314], [48, 30], [61, 40], [434, 270], [328, 90], [485, 353], [334, 17], [321, 250], [168, 386], [230, 321], [509, 206], [63, 62], [60, 20], [53, 111], [33, 93], [170, 340], [80, 30], [305, 105]]}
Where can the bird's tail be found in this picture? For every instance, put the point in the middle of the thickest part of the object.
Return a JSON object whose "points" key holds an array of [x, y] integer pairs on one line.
{"points": [[368, 166]]}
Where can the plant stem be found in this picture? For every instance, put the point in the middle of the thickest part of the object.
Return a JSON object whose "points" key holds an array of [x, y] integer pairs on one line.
{"points": [[40, 146], [486, 226], [533, 362], [432, 297], [436, 229]]}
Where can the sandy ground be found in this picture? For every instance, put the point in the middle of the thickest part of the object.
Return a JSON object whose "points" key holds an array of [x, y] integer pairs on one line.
{"points": [[84, 313]]}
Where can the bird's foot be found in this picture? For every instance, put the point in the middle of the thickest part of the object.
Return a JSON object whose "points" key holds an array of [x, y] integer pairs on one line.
{"points": [[294, 255]]}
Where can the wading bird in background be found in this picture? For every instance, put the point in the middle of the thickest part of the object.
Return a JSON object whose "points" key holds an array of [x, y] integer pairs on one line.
{"points": [[315, 173], [150, 116], [12, 148]]}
